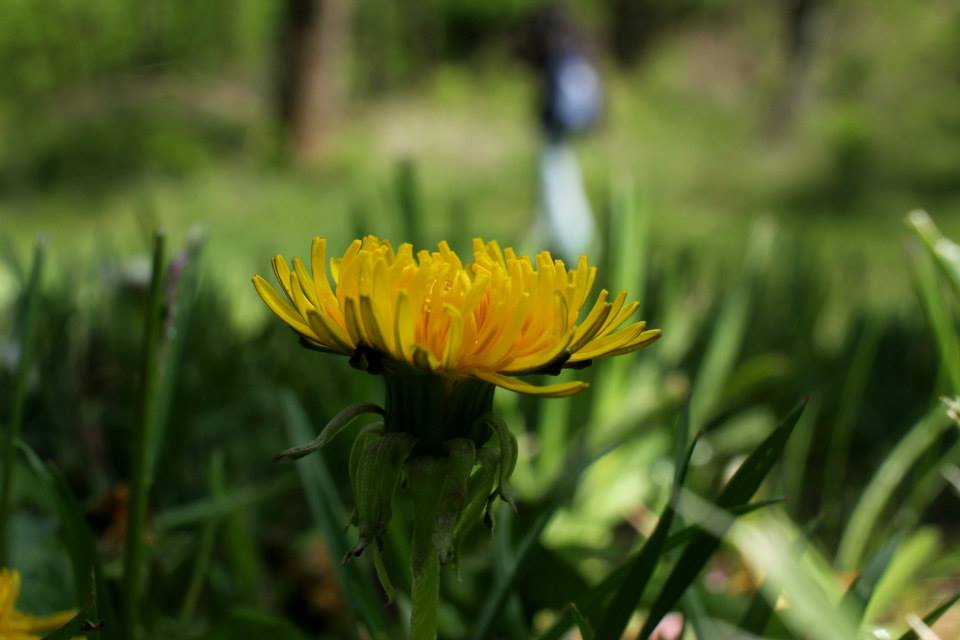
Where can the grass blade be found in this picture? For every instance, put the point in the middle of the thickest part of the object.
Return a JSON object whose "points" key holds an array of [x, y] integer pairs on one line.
{"points": [[730, 329], [841, 436], [805, 580], [796, 458], [237, 500], [180, 289], [410, 203], [577, 462], [739, 490], [217, 482], [590, 604], [143, 437], [866, 515], [627, 249], [12, 432], [945, 251], [696, 614], [859, 594], [641, 568], [932, 617], [937, 308], [757, 616], [918, 551], [583, 625], [501, 590]]}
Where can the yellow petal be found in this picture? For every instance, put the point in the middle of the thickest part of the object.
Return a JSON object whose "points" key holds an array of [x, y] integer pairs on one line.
{"points": [[329, 333], [454, 337], [593, 322], [599, 347], [371, 326], [424, 359], [282, 271], [529, 364], [280, 306], [351, 316], [403, 327], [305, 282], [559, 390]]}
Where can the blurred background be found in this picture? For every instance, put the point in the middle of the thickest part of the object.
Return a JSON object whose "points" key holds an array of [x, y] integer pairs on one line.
{"points": [[748, 171]]}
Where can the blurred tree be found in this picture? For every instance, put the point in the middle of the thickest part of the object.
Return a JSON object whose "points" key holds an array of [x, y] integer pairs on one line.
{"points": [[800, 40], [636, 24], [313, 49]]}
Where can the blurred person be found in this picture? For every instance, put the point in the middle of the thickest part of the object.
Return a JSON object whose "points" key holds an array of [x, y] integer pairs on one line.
{"points": [[569, 103]]}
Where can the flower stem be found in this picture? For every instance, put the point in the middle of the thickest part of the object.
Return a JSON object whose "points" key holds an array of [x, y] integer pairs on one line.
{"points": [[425, 483]]}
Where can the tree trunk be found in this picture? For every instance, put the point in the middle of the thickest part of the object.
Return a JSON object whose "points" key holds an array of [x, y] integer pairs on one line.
{"points": [[313, 53]]}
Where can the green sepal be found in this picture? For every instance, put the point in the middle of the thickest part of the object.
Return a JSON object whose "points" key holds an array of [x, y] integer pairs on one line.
{"points": [[382, 574], [364, 438], [509, 451], [377, 476], [337, 424], [480, 488], [461, 456]]}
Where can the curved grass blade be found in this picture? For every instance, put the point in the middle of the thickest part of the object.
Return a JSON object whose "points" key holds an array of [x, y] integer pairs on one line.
{"points": [[757, 616], [932, 617], [861, 591], [583, 625], [918, 551], [945, 251], [805, 580], [740, 489], [866, 514], [337, 424], [936, 306]]}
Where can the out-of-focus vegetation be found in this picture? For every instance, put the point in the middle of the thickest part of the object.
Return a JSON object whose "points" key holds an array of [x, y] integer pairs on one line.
{"points": [[118, 117]]}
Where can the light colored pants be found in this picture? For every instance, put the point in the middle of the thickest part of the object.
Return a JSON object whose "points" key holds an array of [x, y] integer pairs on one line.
{"points": [[564, 222]]}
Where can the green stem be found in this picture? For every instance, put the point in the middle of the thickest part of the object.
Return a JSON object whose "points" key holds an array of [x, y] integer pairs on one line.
{"points": [[140, 455], [9, 443], [425, 483]]}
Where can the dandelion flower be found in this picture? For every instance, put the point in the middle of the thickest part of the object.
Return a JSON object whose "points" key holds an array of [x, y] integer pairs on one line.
{"points": [[499, 317], [15, 625]]}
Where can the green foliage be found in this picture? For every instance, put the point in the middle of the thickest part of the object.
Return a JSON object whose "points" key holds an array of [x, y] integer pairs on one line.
{"points": [[236, 379]]}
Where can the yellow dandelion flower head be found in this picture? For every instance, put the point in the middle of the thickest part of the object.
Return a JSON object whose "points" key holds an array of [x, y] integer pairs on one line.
{"points": [[501, 316], [15, 625]]}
